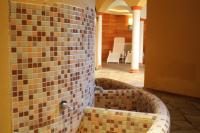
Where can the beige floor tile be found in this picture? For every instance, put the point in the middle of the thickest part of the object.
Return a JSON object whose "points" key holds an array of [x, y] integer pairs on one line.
{"points": [[120, 72]]}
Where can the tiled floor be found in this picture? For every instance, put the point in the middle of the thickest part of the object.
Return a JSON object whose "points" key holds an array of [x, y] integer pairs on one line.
{"points": [[184, 111], [121, 72]]}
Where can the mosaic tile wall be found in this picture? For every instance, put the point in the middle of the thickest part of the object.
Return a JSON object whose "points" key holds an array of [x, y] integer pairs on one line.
{"points": [[98, 120], [52, 59], [122, 96]]}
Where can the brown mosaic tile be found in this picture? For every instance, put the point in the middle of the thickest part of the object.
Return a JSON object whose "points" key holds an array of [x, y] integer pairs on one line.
{"points": [[43, 74], [109, 121]]}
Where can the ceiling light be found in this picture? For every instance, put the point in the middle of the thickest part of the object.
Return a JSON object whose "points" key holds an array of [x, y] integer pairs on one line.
{"points": [[116, 10]]}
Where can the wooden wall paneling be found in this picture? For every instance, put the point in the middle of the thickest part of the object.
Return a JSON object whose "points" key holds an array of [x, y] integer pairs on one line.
{"points": [[114, 26]]}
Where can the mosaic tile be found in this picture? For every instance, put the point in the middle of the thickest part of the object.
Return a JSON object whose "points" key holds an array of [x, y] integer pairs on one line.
{"points": [[52, 55], [121, 96], [114, 121]]}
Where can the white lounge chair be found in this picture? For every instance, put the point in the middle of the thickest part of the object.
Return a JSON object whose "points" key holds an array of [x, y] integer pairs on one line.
{"points": [[118, 50], [128, 57]]}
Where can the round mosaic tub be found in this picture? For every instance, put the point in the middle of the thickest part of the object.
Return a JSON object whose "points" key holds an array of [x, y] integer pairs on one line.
{"points": [[121, 96]]}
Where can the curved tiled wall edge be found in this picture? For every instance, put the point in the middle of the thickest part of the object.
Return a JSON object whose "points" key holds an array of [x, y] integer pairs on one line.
{"points": [[52, 55], [162, 122], [119, 95]]}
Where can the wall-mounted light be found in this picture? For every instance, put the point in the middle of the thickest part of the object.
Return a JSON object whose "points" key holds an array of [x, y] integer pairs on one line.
{"points": [[130, 23]]}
